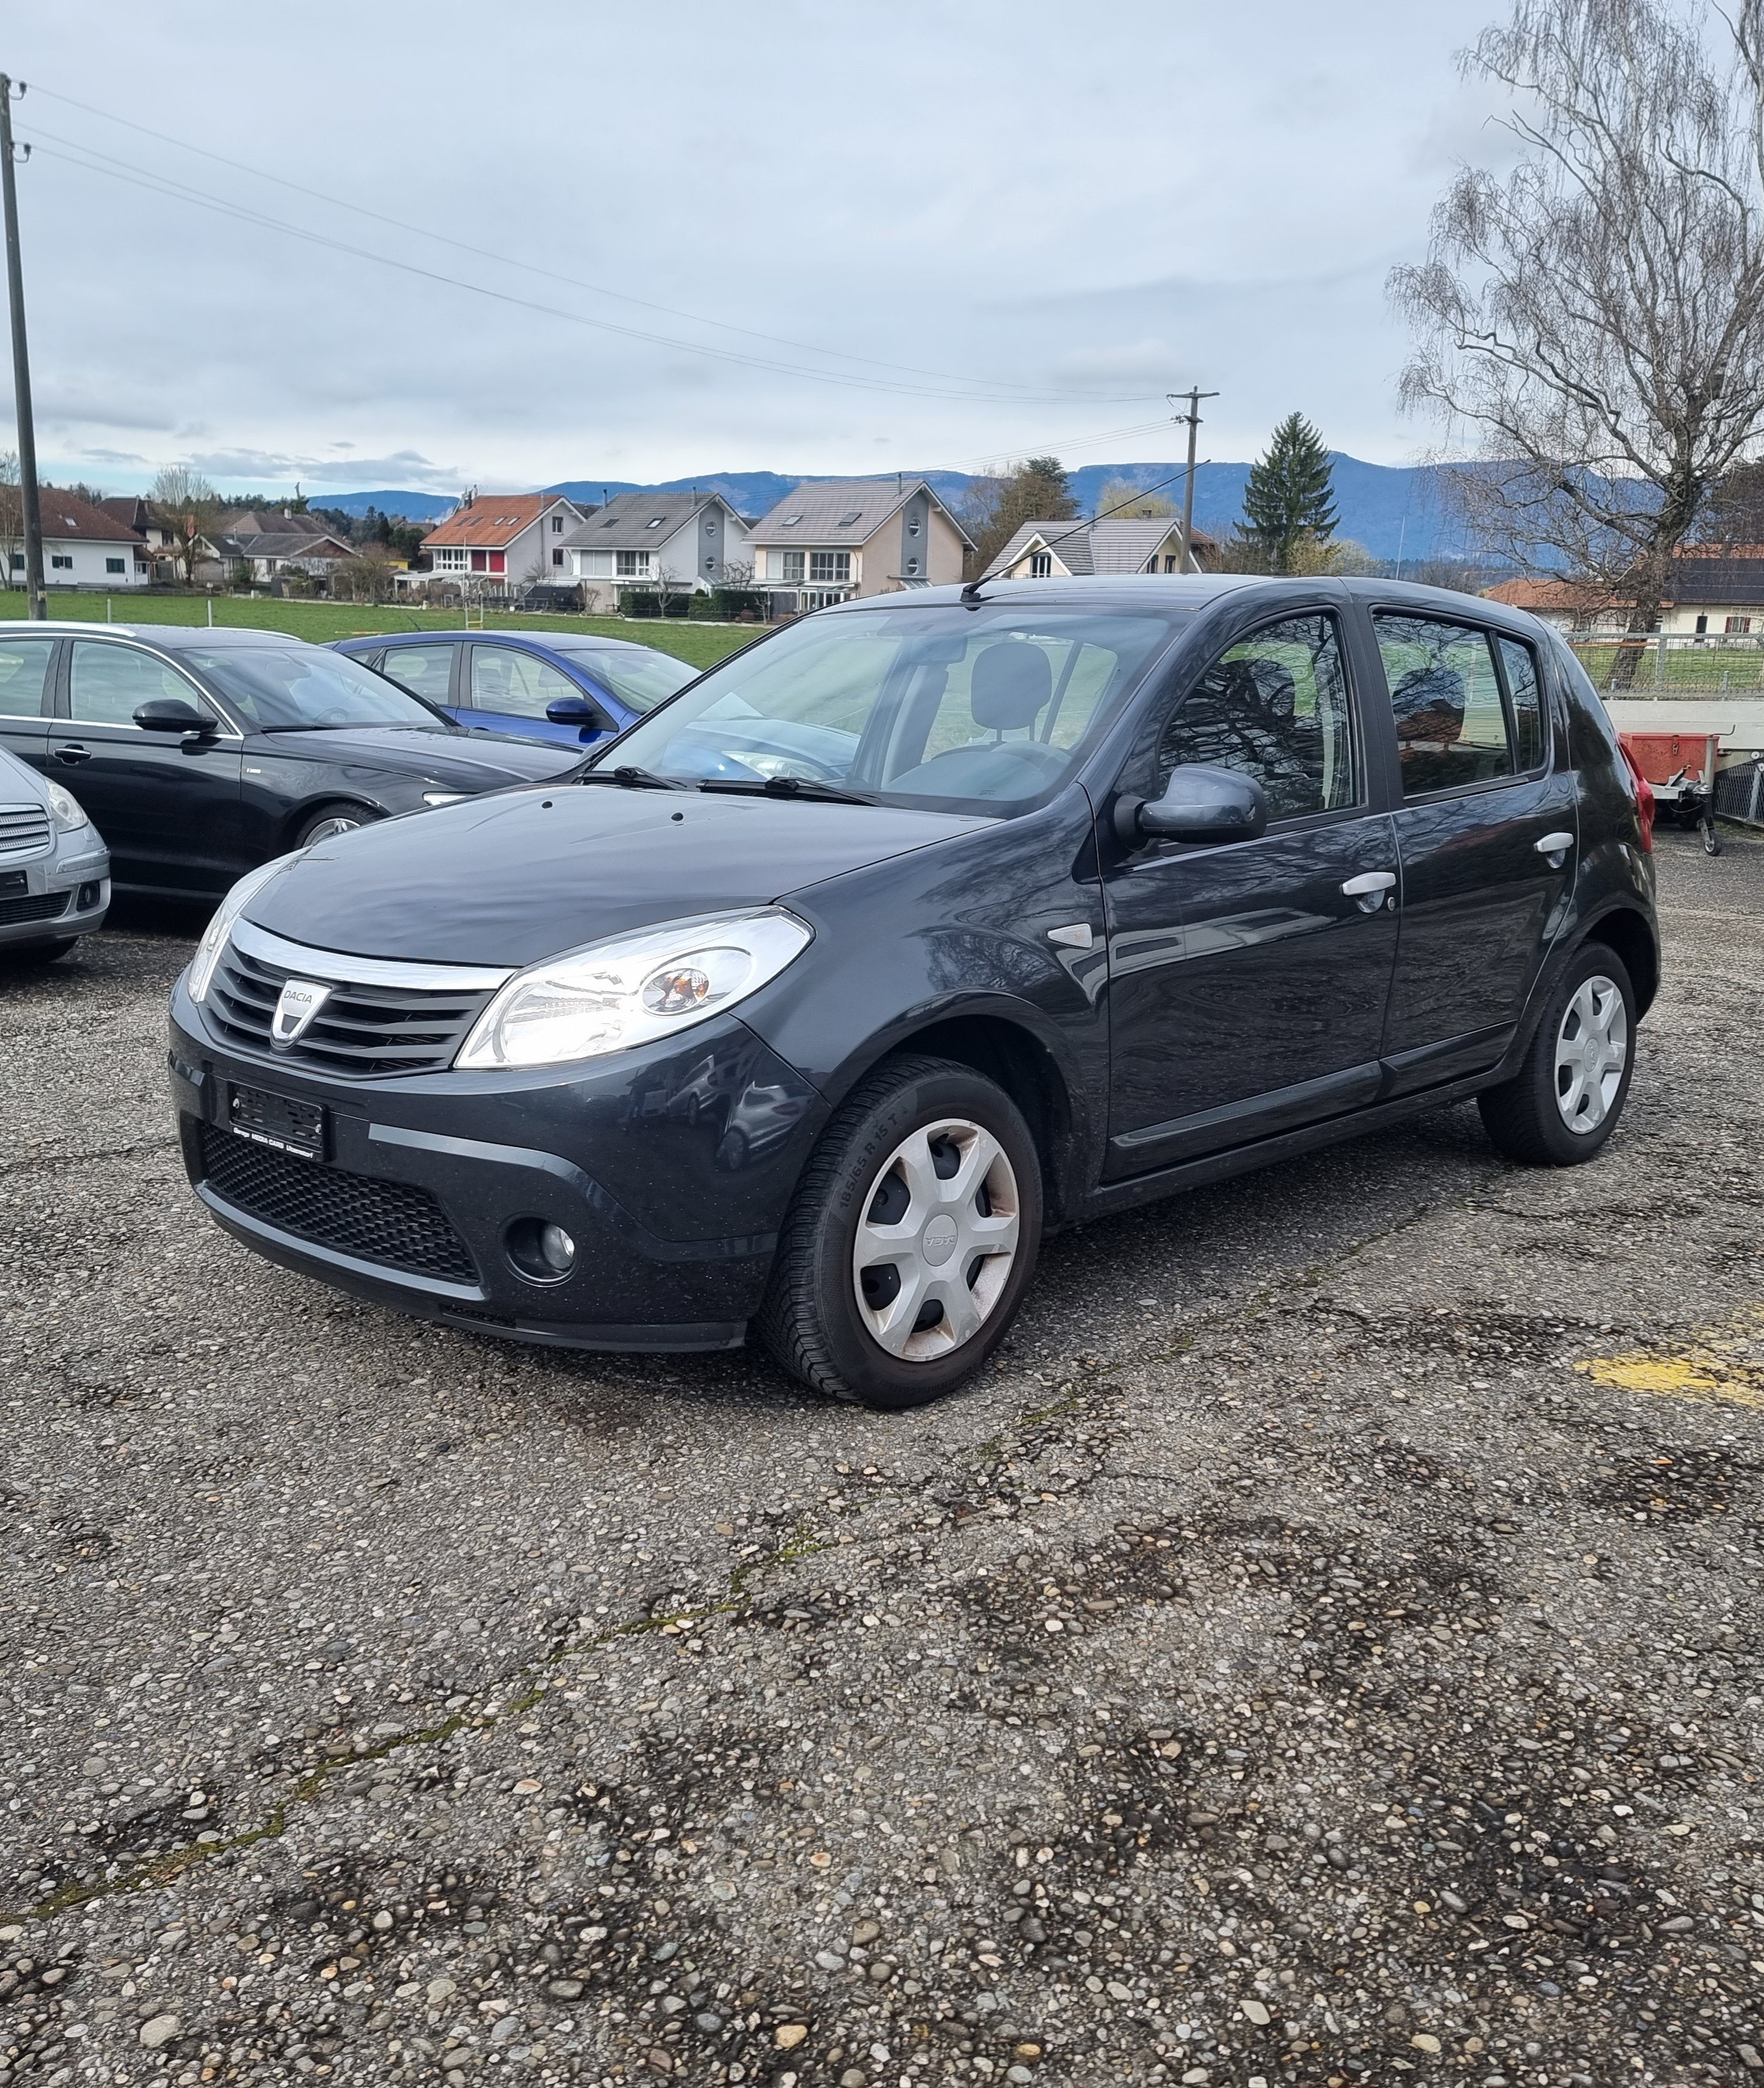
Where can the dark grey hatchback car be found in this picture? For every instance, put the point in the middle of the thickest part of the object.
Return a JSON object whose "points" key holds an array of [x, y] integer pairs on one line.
{"points": [[920, 927]]}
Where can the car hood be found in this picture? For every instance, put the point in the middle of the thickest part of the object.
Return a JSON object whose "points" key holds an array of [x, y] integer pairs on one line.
{"points": [[472, 760], [509, 879]]}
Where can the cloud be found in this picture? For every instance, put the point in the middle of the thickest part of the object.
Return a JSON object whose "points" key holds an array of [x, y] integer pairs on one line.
{"points": [[407, 470]]}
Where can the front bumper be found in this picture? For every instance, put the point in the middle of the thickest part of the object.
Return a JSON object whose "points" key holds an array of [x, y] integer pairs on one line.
{"points": [[66, 892], [670, 1167]]}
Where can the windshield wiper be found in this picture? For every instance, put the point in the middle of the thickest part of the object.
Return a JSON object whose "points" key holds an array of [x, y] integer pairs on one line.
{"points": [[787, 786], [629, 778]]}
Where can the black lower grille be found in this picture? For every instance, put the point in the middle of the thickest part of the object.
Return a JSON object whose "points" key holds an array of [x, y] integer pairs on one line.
{"points": [[361, 1031], [38, 906], [394, 1222]]}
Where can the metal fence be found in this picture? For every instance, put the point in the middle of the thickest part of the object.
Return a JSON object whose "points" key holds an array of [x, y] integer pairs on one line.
{"points": [[1672, 665], [1740, 792]]}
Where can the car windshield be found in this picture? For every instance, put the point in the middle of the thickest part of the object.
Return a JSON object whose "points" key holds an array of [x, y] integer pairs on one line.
{"points": [[958, 709], [640, 679], [303, 688]]}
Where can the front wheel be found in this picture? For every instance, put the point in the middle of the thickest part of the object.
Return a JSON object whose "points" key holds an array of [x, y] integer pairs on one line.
{"points": [[1711, 838], [328, 821], [1564, 1102], [911, 1238]]}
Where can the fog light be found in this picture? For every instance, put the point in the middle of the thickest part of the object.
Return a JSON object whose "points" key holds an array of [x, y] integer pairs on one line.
{"points": [[87, 898], [541, 1251]]}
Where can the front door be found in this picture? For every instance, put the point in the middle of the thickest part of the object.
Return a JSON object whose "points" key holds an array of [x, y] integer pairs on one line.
{"points": [[1247, 982], [1487, 836], [510, 690], [167, 806]]}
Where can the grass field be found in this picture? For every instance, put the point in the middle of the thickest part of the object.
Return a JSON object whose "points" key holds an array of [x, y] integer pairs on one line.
{"points": [[1687, 670], [702, 645]]}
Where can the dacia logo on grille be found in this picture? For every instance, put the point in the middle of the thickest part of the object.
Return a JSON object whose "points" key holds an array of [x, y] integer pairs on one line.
{"points": [[297, 1010]]}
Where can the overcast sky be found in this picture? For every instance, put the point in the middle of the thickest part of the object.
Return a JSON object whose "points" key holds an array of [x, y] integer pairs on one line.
{"points": [[1033, 218]]}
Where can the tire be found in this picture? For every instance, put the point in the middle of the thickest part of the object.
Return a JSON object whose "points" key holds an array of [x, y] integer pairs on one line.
{"points": [[39, 953], [1711, 839], [326, 821], [1541, 1116], [844, 1332]]}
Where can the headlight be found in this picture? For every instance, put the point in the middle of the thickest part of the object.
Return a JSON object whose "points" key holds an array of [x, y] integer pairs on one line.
{"points": [[69, 813], [632, 988], [445, 797], [214, 936]]}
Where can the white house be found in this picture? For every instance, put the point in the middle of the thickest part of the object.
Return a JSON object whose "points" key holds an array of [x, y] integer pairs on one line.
{"points": [[1118, 544], [687, 542], [834, 539], [503, 540], [82, 547]]}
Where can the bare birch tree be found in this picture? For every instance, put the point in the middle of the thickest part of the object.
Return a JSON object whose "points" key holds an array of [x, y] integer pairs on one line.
{"points": [[1591, 325]]}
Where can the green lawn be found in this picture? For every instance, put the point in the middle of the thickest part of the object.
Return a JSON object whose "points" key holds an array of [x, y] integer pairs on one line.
{"points": [[1689, 670], [702, 645]]}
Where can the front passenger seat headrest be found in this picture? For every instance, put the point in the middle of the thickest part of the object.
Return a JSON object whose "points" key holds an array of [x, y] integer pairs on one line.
{"points": [[1008, 685]]}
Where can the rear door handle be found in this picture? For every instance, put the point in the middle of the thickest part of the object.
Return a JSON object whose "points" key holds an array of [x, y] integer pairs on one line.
{"points": [[1368, 882], [72, 751], [1555, 846]]}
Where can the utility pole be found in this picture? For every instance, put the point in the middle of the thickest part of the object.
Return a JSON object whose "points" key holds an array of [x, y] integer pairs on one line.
{"points": [[1193, 416], [21, 363]]}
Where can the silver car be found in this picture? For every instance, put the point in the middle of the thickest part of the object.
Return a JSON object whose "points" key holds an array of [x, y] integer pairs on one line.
{"points": [[54, 867]]}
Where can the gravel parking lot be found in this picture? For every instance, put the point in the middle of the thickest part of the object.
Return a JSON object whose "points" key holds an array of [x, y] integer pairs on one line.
{"points": [[1326, 1648]]}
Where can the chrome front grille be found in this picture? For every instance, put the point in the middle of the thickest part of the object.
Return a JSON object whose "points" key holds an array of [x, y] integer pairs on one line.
{"points": [[24, 830], [390, 1020]]}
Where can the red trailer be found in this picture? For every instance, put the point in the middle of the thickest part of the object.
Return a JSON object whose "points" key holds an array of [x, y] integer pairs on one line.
{"points": [[1682, 768]]}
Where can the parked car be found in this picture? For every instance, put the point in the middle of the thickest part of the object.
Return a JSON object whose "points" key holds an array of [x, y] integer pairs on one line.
{"points": [[202, 753], [557, 686], [1119, 886], [54, 867]]}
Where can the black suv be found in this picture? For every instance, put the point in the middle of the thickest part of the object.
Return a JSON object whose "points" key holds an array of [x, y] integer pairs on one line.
{"points": [[927, 923]]}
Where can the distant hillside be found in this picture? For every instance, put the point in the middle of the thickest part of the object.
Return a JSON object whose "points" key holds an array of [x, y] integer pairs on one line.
{"points": [[1393, 510]]}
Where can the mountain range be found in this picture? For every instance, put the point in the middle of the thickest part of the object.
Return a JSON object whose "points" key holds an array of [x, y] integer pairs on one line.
{"points": [[1395, 511]]}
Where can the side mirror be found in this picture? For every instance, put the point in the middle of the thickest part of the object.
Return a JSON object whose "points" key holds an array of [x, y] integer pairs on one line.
{"points": [[572, 710], [172, 714], [1200, 804]]}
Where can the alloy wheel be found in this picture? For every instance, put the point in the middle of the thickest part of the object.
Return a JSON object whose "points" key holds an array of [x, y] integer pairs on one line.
{"points": [[938, 1240], [327, 830], [1592, 1048]]}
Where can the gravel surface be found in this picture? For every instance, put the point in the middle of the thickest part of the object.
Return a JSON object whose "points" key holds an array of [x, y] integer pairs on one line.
{"points": [[1326, 1648]]}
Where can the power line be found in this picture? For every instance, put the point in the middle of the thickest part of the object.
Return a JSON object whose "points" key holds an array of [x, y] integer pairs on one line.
{"points": [[532, 267], [93, 160]]}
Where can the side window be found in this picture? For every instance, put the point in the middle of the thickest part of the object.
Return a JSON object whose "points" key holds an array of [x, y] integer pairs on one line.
{"points": [[1525, 701], [1275, 706], [1451, 727], [515, 683], [425, 670], [24, 665], [109, 680]]}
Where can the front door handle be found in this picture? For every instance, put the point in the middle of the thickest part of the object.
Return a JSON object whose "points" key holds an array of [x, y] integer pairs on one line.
{"points": [[1555, 846], [72, 751]]}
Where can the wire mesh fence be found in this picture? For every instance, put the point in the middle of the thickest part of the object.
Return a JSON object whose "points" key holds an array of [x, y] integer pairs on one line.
{"points": [[1739, 791], [1668, 664]]}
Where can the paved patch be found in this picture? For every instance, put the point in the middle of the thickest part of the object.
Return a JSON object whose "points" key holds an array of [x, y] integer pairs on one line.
{"points": [[1325, 1649]]}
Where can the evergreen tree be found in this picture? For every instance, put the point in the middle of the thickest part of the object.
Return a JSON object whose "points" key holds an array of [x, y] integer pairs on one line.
{"points": [[1288, 496]]}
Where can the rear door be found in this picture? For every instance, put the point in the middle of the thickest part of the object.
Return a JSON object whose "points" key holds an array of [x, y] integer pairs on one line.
{"points": [[1247, 982], [508, 691], [167, 806], [27, 696], [1487, 836], [428, 671]]}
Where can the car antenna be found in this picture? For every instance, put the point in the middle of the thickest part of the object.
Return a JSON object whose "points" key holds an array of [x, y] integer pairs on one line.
{"points": [[971, 597]]}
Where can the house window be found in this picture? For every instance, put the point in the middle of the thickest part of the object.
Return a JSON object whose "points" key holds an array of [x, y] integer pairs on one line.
{"points": [[557, 558], [830, 565], [557, 525], [63, 561], [788, 564], [450, 559], [18, 562], [1172, 562], [499, 561], [1041, 565], [478, 562], [633, 565], [1703, 625], [114, 566], [1737, 626]]}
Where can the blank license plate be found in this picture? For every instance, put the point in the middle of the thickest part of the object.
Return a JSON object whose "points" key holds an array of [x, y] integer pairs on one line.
{"points": [[277, 1120]]}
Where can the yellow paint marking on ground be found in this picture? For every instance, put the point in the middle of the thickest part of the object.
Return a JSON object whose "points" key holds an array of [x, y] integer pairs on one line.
{"points": [[1699, 1376]]}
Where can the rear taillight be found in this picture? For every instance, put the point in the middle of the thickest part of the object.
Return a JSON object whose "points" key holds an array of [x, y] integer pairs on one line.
{"points": [[1644, 799]]}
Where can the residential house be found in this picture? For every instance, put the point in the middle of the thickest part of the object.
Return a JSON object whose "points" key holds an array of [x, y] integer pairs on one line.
{"points": [[1118, 544], [135, 512], [1717, 591], [82, 547], [685, 542], [836, 539], [264, 548], [498, 541]]}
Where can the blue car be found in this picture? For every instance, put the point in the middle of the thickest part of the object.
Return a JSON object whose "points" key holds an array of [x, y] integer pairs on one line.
{"points": [[556, 686]]}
